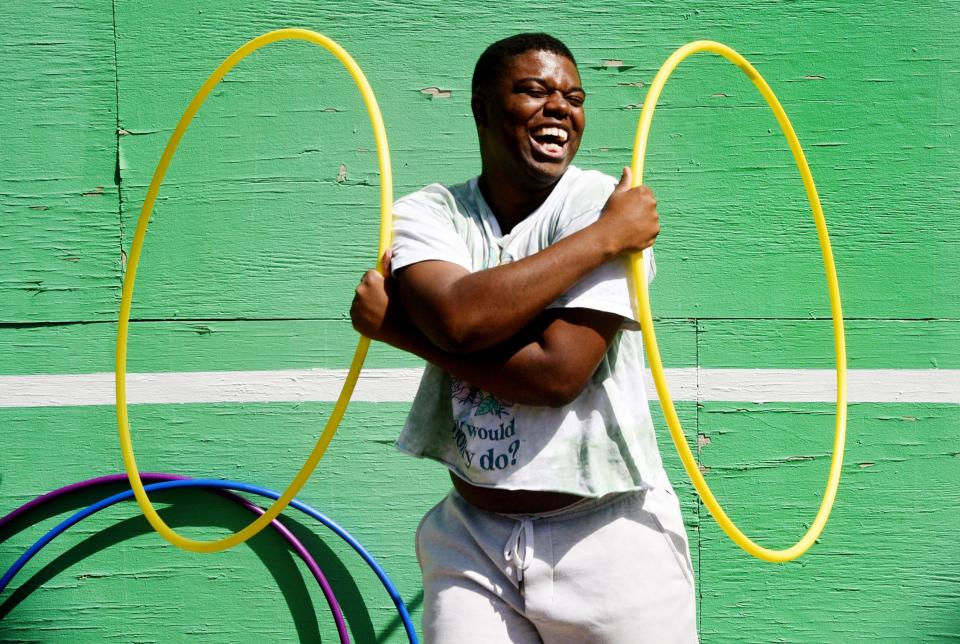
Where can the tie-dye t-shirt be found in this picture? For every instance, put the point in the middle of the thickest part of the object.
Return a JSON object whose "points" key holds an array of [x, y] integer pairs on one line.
{"points": [[603, 441]]}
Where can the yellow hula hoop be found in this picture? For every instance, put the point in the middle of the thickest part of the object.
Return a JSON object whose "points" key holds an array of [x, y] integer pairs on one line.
{"points": [[386, 203], [642, 308]]}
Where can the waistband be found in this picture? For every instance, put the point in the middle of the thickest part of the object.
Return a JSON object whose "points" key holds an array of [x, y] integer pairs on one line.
{"points": [[587, 504]]}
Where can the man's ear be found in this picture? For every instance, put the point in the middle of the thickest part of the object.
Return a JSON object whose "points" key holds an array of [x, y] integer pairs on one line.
{"points": [[479, 108]]}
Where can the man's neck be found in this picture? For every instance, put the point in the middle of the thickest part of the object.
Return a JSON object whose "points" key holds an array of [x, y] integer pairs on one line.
{"points": [[510, 203]]}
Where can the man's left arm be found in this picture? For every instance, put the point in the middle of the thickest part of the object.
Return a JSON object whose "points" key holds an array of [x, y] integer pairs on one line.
{"points": [[548, 363]]}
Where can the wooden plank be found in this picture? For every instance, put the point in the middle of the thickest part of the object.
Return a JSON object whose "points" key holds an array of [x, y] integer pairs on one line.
{"points": [[768, 465], [191, 346], [231, 345], [59, 236], [808, 344], [270, 207]]}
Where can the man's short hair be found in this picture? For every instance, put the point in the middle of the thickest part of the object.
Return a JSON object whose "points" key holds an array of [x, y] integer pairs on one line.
{"points": [[493, 59]]}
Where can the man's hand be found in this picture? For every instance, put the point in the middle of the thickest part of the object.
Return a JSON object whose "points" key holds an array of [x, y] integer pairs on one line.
{"points": [[376, 311], [629, 218]]}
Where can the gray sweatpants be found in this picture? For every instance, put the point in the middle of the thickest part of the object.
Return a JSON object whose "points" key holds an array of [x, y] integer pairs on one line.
{"points": [[609, 570]]}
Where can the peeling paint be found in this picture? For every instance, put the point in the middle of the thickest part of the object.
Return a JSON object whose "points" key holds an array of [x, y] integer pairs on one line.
{"points": [[436, 92]]}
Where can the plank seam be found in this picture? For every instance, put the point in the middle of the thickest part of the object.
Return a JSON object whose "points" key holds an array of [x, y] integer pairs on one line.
{"points": [[117, 177], [341, 318]]}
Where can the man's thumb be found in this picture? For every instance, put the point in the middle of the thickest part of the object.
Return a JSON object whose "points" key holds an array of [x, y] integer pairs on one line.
{"points": [[386, 269], [625, 180]]}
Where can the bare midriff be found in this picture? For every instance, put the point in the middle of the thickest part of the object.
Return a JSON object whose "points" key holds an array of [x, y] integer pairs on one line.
{"points": [[512, 501]]}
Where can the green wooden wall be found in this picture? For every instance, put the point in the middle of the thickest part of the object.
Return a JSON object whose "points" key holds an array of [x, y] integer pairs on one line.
{"points": [[268, 217]]}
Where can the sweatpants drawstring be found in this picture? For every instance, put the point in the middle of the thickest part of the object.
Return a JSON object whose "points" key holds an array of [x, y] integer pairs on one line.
{"points": [[519, 548]]}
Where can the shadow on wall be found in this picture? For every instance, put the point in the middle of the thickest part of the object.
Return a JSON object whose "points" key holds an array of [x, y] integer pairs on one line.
{"points": [[216, 512]]}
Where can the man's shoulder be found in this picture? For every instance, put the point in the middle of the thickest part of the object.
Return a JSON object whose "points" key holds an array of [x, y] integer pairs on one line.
{"points": [[587, 190], [435, 193], [437, 197]]}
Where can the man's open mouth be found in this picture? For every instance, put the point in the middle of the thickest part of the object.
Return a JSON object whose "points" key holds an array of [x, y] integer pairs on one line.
{"points": [[549, 141]]}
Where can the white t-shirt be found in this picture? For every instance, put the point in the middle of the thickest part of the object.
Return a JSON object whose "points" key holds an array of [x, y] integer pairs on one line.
{"points": [[603, 441]]}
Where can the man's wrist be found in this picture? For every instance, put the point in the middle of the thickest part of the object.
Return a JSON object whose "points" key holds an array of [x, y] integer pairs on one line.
{"points": [[606, 241]]}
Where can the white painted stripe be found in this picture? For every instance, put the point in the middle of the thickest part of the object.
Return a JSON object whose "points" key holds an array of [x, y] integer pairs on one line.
{"points": [[399, 385], [301, 385], [817, 385]]}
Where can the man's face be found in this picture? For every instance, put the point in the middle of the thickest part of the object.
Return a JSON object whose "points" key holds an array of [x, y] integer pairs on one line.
{"points": [[532, 121]]}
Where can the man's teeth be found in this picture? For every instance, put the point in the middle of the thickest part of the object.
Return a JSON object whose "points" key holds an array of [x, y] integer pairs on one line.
{"points": [[551, 131]]}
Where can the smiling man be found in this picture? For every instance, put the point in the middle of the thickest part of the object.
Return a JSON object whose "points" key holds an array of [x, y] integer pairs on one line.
{"points": [[561, 525]]}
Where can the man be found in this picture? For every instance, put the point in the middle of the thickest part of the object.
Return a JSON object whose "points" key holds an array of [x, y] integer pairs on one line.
{"points": [[562, 526]]}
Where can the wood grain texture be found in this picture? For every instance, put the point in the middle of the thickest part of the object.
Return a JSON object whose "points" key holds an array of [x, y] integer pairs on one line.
{"points": [[268, 217], [808, 344], [59, 217], [232, 345], [883, 568]]}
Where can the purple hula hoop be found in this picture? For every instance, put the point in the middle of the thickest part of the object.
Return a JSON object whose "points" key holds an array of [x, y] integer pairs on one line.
{"points": [[291, 539]]}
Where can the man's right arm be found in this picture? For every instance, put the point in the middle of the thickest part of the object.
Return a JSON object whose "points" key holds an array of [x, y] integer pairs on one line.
{"points": [[461, 311], [547, 363]]}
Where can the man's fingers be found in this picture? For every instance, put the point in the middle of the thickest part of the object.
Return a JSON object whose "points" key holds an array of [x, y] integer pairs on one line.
{"points": [[370, 278], [385, 262]]}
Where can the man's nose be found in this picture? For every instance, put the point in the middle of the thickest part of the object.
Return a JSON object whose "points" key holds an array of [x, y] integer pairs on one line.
{"points": [[557, 104]]}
